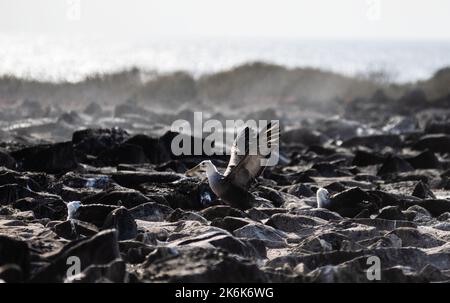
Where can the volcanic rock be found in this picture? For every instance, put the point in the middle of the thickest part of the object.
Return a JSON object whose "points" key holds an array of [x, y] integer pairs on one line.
{"points": [[121, 220], [437, 143], [54, 158], [14, 251]]}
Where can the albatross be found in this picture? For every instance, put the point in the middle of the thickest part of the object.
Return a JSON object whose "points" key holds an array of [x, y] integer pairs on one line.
{"points": [[244, 166]]}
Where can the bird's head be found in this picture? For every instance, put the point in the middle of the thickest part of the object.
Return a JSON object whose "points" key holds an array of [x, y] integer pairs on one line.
{"points": [[203, 167], [323, 198]]}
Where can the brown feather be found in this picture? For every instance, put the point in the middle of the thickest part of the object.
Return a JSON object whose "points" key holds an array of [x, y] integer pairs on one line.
{"points": [[243, 168]]}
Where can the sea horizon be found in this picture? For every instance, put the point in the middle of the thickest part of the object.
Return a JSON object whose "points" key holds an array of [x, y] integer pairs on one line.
{"points": [[74, 58]]}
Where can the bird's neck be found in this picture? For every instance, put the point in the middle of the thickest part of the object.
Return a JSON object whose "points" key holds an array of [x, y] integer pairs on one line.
{"points": [[323, 202], [211, 170]]}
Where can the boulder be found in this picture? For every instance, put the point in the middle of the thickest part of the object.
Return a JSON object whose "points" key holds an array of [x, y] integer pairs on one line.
{"points": [[121, 220], [437, 143], [394, 165], [14, 251], [49, 158], [100, 249]]}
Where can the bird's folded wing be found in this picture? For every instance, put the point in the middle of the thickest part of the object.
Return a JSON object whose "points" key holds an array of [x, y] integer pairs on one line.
{"points": [[247, 156]]}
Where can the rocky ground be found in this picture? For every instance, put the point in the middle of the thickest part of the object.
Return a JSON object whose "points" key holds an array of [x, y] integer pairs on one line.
{"points": [[142, 220]]}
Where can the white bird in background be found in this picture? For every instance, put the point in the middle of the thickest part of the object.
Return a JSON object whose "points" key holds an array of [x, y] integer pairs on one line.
{"points": [[72, 208], [323, 198]]}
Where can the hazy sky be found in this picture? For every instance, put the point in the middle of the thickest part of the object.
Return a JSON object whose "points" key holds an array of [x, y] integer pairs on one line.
{"points": [[367, 19]]}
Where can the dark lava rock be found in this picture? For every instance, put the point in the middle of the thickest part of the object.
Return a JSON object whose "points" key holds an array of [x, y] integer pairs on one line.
{"points": [[7, 161], [230, 223], [303, 136], [423, 191], [420, 213], [13, 251], [438, 128], [364, 158], [177, 166], [271, 236], [351, 202], [49, 158], [268, 211], [128, 198], [160, 254], [391, 213], [180, 215], [424, 160], [114, 272], [374, 141], [10, 193], [11, 177], [319, 213], [271, 194], [122, 154], [389, 257], [383, 224], [300, 190], [325, 169], [355, 271], [95, 141], [256, 214], [327, 241], [155, 150], [73, 229], [432, 274], [136, 251], [437, 143], [199, 265], [384, 198], [43, 207], [133, 179], [221, 211], [335, 187], [394, 165], [185, 194], [94, 213], [219, 240], [151, 211], [11, 273], [436, 206], [101, 249], [293, 223], [121, 220], [411, 237]]}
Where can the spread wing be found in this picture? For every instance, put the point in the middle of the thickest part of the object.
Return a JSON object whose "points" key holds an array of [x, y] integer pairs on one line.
{"points": [[249, 152]]}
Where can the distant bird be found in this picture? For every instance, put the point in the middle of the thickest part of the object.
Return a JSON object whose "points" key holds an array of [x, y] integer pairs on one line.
{"points": [[350, 203], [72, 208], [243, 168], [323, 198]]}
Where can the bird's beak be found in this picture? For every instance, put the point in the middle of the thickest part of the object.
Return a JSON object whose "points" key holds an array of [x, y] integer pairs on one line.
{"points": [[192, 172]]}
